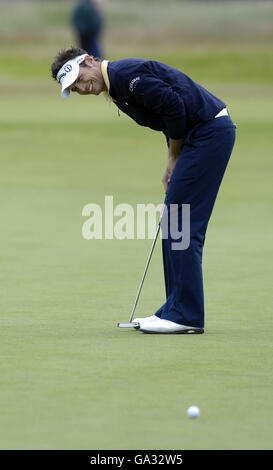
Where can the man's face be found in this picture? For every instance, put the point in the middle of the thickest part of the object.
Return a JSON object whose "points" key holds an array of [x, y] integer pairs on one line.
{"points": [[90, 80]]}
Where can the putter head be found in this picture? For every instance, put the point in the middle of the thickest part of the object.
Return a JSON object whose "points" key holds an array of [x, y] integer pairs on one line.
{"points": [[129, 325]]}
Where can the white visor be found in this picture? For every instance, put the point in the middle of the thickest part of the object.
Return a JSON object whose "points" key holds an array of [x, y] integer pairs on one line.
{"points": [[68, 74]]}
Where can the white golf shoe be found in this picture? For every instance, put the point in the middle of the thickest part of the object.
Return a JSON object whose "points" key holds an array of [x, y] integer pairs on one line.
{"points": [[159, 326], [145, 319]]}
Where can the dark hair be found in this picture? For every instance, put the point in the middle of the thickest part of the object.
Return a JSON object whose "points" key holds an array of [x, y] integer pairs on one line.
{"points": [[63, 56]]}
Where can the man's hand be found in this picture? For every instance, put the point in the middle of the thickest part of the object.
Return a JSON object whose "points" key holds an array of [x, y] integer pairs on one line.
{"points": [[174, 152], [166, 179]]}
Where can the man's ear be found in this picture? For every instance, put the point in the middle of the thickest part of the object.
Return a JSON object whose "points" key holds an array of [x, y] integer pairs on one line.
{"points": [[89, 60]]}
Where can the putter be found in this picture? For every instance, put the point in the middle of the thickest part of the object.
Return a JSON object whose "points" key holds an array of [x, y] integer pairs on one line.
{"points": [[132, 324]]}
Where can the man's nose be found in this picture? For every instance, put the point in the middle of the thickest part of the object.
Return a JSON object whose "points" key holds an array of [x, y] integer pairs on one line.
{"points": [[80, 86]]}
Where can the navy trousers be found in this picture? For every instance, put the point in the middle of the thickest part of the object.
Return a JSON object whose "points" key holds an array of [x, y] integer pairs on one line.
{"points": [[195, 180], [91, 44]]}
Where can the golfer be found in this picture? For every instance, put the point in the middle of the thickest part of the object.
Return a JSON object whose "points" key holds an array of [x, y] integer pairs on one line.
{"points": [[200, 137]]}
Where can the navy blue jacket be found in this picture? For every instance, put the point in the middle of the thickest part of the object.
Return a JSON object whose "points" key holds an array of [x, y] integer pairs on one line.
{"points": [[160, 97]]}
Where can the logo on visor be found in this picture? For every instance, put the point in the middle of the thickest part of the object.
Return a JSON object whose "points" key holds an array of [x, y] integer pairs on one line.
{"points": [[61, 76], [68, 68]]}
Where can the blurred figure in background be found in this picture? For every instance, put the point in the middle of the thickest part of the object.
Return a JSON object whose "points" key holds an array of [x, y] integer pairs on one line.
{"points": [[88, 21]]}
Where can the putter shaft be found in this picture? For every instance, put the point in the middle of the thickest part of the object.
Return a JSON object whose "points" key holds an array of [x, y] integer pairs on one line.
{"points": [[145, 271]]}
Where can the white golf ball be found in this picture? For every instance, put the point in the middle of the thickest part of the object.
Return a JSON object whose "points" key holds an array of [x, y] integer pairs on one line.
{"points": [[193, 412]]}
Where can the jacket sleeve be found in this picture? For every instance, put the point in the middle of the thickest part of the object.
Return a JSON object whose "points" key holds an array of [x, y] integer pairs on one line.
{"points": [[153, 94]]}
